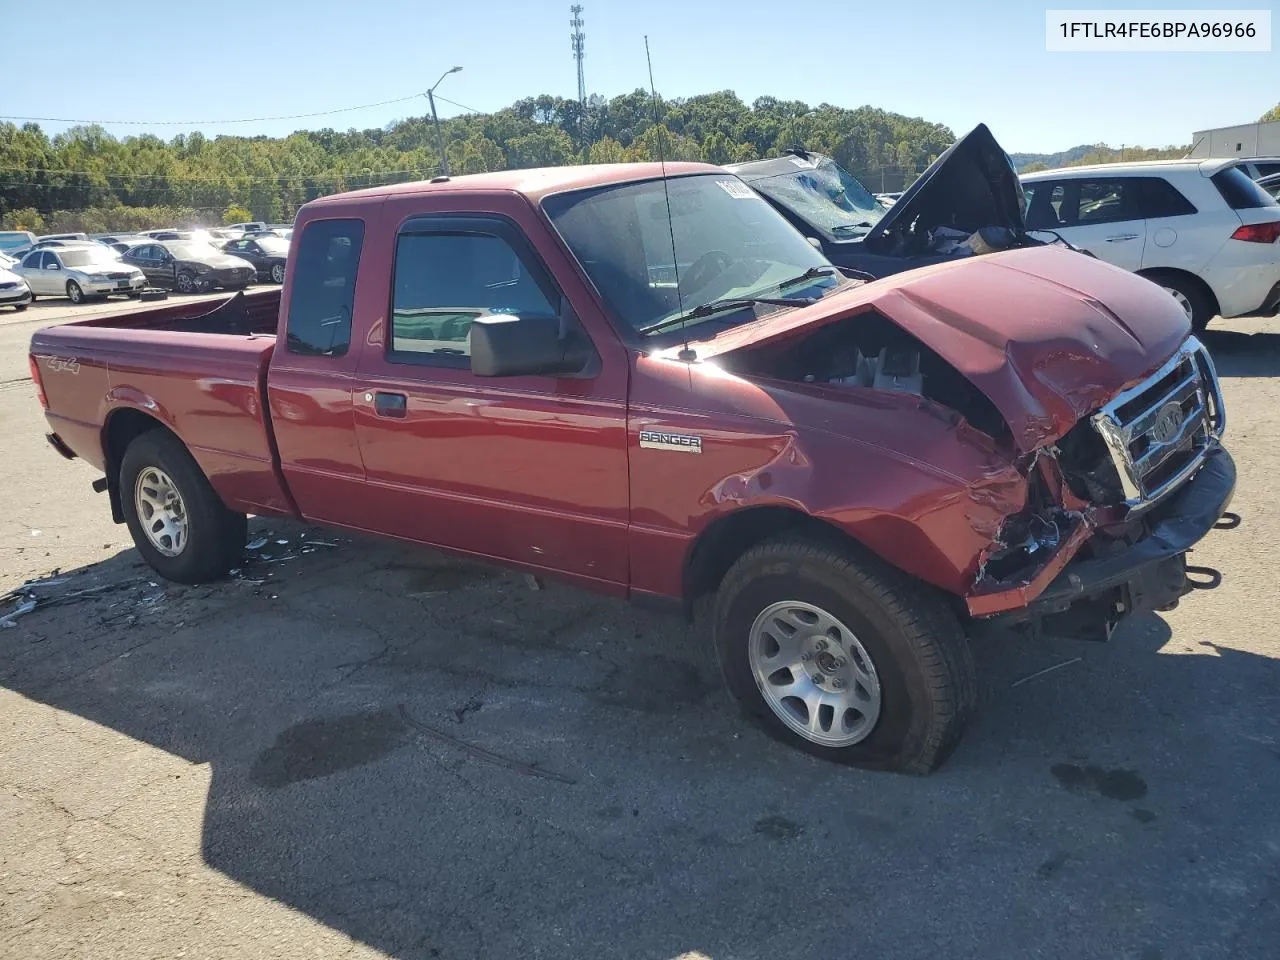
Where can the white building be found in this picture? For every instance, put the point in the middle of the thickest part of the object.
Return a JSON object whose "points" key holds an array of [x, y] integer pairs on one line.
{"points": [[1247, 140]]}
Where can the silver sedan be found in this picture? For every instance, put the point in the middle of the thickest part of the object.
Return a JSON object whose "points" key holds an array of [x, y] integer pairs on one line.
{"points": [[79, 273]]}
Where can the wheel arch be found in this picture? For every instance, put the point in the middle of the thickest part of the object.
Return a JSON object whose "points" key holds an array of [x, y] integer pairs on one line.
{"points": [[1155, 273], [122, 426], [726, 538]]}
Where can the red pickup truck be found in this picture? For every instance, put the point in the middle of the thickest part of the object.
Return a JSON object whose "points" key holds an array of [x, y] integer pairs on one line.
{"points": [[648, 383]]}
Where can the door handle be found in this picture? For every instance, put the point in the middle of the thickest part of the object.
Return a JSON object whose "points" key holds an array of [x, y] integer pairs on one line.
{"points": [[1122, 236], [390, 404]]}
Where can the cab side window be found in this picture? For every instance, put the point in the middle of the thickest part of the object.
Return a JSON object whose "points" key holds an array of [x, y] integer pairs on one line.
{"points": [[324, 287], [443, 281]]}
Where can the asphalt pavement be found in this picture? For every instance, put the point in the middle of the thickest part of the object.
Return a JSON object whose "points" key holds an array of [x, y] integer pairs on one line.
{"points": [[360, 749]]}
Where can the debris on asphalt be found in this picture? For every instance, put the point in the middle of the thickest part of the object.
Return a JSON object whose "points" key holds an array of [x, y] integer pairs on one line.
{"points": [[10, 619], [1041, 673], [257, 544]]}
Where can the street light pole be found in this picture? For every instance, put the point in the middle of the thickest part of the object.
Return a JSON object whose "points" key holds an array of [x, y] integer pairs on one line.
{"points": [[444, 158]]}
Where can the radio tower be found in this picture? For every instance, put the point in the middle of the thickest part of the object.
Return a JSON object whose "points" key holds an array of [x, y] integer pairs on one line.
{"points": [[577, 40]]}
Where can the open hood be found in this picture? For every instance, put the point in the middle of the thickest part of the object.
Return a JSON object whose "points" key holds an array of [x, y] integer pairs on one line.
{"points": [[972, 184]]}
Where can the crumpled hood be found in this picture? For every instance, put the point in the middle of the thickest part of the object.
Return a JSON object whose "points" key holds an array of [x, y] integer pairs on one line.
{"points": [[1049, 335]]}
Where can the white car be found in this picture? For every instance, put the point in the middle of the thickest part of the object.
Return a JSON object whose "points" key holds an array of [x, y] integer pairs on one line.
{"points": [[78, 273], [14, 291], [1200, 228]]}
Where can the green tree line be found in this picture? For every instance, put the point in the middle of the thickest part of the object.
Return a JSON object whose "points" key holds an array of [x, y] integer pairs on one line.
{"points": [[84, 178]]}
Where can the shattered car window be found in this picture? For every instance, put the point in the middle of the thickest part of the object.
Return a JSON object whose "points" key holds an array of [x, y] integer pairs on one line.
{"points": [[826, 196]]}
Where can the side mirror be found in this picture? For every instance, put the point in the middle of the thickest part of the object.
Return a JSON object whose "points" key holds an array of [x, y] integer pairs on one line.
{"points": [[511, 346], [52, 266]]}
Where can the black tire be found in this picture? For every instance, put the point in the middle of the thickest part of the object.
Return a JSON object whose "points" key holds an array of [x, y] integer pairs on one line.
{"points": [[20, 307], [186, 282], [74, 293], [215, 535], [920, 654], [1201, 302]]}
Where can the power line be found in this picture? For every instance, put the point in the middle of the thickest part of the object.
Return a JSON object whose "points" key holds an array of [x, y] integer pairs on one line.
{"points": [[337, 175], [455, 103], [181, 123]]}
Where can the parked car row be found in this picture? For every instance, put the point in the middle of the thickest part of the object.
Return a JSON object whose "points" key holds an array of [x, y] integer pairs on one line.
{"points": [[78, 267], [1202, 229]]}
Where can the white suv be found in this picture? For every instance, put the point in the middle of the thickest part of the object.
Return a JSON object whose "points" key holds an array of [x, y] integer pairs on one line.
{"points": [[1200, 228]]}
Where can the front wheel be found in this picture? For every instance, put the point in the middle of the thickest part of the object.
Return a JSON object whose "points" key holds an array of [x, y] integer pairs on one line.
{"points": [[185, 282], [277, 273], [74, 293], [20, 307], [844, 657], [177, 521]]}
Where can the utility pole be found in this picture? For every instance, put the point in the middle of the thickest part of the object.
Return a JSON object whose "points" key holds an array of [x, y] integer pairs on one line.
{"points": [[577, 40], [431, 99]]}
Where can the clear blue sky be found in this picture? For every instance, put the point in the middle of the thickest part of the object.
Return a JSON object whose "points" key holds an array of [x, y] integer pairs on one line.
{"points": [[957, 62]]}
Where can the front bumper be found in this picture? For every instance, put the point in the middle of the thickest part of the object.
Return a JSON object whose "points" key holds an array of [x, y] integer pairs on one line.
{"points": [[106, 287], [15, 298], [1151, 573]]}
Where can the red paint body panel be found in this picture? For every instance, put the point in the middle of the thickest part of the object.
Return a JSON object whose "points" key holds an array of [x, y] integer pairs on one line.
{"points": [[547, 474]]}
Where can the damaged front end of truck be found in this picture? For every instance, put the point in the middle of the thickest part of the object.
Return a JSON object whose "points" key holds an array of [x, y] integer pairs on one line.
{"points": [[1101, 416]]}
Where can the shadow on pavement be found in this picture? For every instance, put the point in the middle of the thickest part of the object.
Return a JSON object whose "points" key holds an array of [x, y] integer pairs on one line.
{"points": [[439, 762], [1239, 354]]}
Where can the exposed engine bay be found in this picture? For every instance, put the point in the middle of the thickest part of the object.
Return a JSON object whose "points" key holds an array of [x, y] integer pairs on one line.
{"points": [[870, 350]]}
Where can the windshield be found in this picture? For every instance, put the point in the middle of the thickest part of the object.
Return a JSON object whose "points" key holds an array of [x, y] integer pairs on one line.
{"points": [[273, 245], [728, 244], [821, 193], [191, 250], [89, 257]]}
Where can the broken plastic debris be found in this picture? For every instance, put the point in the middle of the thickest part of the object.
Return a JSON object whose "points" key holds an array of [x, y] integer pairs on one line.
{"points": [[256, 544], [51, 581], [22, 609], [35, 533], [319, 543], [283, 543]]}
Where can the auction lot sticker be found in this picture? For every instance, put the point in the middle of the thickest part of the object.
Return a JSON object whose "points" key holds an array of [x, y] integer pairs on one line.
{"points": [[1157, 31]]}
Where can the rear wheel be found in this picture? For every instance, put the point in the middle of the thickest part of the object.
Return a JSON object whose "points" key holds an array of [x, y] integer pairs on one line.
{"points": [[177, 521], [1196, 303], [844, 657], [74, 293]]}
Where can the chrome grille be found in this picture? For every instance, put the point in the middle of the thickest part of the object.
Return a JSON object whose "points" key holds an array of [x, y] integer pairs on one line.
{"points": [[1159, 431]]}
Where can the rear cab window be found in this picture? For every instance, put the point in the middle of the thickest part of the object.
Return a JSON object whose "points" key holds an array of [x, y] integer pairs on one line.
{"points": [[1239, 191], [325, 262]]}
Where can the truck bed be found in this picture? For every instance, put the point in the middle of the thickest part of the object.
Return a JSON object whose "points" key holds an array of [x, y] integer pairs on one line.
{"points": [[198, 368], [242, 314]]}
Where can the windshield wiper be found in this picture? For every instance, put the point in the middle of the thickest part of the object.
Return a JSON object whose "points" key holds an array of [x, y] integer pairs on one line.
{"points": [[732, 303], [813, 273], [850, 227]]}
